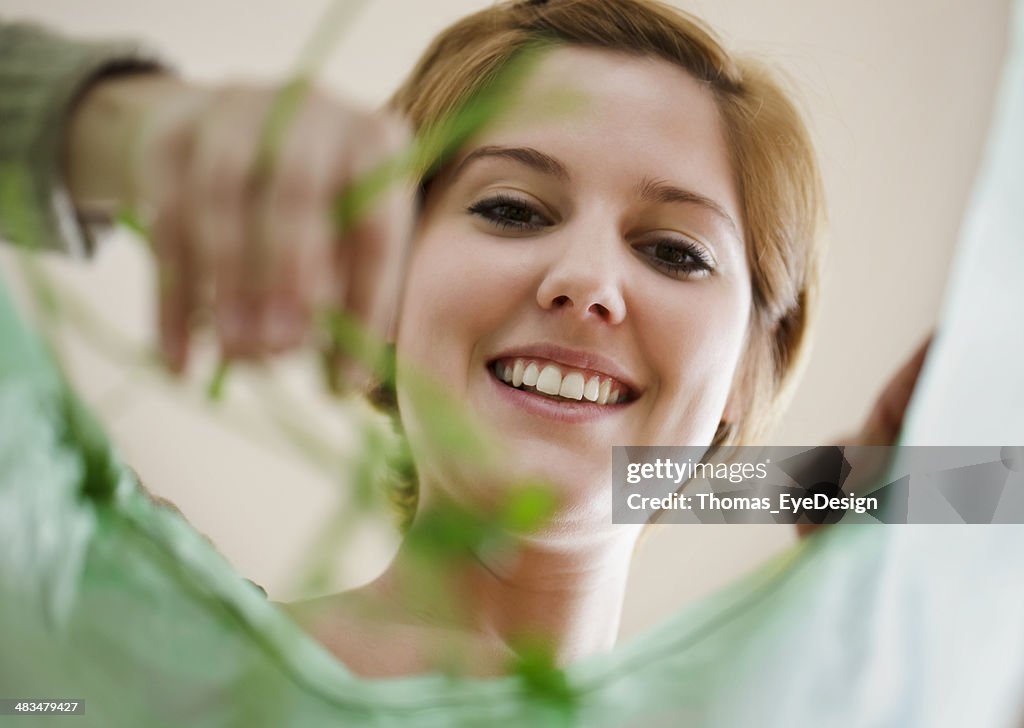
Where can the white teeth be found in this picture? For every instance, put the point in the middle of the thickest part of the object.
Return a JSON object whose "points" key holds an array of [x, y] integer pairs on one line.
{"points": [[530, 375], [572, 386], [550, 380], [517, 373]]}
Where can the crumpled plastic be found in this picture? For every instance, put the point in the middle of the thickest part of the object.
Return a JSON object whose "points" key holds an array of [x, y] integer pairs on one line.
{"points": [[107, 598]]}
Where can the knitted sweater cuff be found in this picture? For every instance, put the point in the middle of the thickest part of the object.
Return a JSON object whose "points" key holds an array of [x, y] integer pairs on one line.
{"points": [[42, 75]]}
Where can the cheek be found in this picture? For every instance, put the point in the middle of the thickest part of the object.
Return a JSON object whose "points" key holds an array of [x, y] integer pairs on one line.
{"points": [[455, 296], [694, 338]]}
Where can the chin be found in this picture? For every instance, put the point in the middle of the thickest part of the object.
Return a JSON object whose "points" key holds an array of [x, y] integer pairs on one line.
{"points": [[578, 479]]}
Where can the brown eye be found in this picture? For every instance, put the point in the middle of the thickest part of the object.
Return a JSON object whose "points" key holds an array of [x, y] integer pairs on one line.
{"points": [[678, 258], [513, 213], [509, 213]]}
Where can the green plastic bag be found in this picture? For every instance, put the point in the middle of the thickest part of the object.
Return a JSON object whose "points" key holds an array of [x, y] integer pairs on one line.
{"points": [[108, 599]]}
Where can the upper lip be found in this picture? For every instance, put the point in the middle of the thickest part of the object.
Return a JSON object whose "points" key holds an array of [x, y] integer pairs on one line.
{"points": [[573, 358]]}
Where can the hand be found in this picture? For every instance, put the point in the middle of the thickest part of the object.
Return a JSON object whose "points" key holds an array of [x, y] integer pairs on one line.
{"points": [[883, 424], [241, 227]]}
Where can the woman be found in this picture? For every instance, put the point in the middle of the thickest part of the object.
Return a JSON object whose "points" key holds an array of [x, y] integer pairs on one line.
{"points": [[639, 269], [659, 242]]}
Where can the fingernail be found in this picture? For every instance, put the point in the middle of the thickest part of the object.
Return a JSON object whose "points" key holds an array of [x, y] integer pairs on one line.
{"points": [[354, 377], [279, 326], [231, 326], [172, 351]]}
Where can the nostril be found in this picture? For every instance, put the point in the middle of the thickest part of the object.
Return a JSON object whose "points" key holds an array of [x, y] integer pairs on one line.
{"points": [[600, 310]]}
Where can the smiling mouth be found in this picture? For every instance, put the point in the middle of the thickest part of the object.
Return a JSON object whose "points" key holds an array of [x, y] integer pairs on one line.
{"points": [[559, 382]]}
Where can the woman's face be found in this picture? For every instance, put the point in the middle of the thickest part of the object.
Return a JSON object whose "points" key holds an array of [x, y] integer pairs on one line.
{"points": [[595, 257]]}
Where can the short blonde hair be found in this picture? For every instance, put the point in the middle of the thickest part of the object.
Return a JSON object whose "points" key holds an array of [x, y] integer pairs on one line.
{"points": [[772, 156]]}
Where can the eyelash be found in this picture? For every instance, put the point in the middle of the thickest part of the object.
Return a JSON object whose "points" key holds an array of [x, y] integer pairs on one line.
{"points": [[699, 263], [487, 209]]}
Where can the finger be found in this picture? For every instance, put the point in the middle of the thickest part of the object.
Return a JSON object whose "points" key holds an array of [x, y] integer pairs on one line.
{"points": [[887, 417], [896, 396], [296, 234], [333, 354], [377, 243], [157, 183], [297, 241], [219, 188], [176, 293]]}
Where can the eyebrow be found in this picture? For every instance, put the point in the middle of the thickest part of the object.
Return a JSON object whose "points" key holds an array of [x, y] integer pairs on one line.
{"points": [[656, 190], [649, 190], [528, 156]]}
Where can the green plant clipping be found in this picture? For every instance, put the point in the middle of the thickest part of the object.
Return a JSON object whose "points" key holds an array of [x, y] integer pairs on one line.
{"points": [[544, 682], [109, 598], [443, 539], [528, 508]]}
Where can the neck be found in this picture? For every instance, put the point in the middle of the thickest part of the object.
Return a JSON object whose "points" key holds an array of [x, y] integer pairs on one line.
{"points": [[564, 586]]}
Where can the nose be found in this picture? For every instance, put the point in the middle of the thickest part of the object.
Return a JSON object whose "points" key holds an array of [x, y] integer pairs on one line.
{"points": [[585, 281]]}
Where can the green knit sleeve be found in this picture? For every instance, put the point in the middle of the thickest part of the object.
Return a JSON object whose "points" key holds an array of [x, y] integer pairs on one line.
{"points": [[41, 76]]}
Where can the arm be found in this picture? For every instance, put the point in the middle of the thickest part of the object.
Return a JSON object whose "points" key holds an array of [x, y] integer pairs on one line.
{"points": [[241, 228], [882, 426]]}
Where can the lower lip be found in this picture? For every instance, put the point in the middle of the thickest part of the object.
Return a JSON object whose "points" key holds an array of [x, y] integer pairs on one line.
{"points": [[559, 410]]}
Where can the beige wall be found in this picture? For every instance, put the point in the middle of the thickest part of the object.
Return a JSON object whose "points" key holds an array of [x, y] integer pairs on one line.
{"points": [[899, 94]]}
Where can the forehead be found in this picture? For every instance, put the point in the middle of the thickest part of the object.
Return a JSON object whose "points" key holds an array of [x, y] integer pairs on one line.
{"points": [[623, 117]]}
